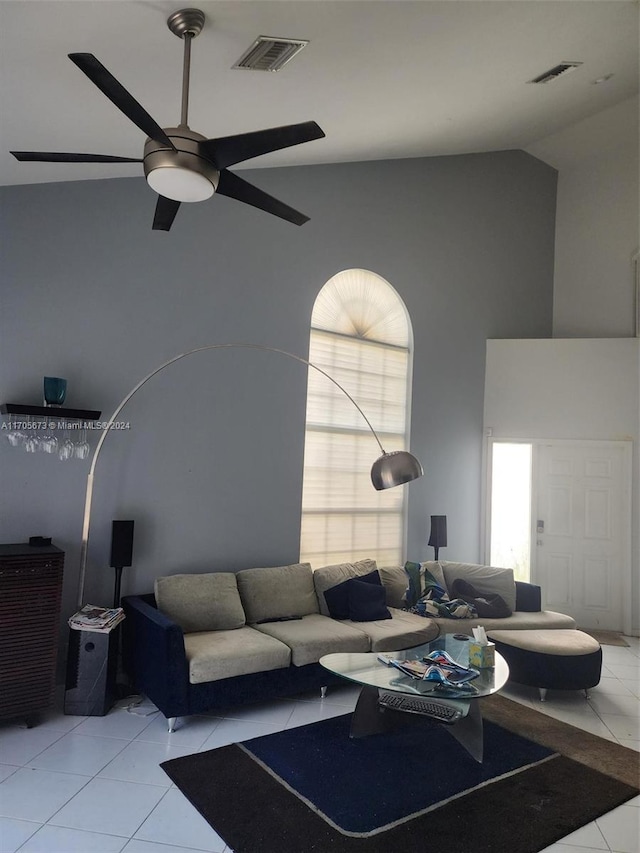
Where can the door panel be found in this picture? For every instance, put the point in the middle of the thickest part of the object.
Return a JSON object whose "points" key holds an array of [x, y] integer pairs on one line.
{"points": [[596, 586], [597, 514], [559, 510], [581, 540]]}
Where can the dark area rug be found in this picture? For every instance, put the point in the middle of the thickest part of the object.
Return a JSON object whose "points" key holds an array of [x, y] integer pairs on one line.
{"points": [[411, 790]]}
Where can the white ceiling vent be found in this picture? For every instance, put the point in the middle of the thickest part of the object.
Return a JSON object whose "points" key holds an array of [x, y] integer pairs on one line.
{"points": [[269, 54], [555, 72]]}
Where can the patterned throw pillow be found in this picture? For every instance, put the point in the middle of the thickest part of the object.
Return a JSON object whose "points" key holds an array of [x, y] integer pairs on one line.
{"points": [[423, 584]]}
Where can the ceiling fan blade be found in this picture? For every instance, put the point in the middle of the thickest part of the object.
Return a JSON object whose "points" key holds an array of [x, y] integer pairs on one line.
{"points": [[166, 210], [118, 95], [61, 157], [234, 187], [228, 150]]}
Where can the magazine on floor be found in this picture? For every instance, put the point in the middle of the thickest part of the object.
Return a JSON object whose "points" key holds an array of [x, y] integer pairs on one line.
{"points": [[93, 618]]}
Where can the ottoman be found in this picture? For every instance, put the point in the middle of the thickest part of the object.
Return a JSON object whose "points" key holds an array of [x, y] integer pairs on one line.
{"points": [[558, 659]]}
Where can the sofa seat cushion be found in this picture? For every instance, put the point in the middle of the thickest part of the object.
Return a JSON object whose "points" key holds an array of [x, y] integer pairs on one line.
{"points": [[203, 602], [213, 655], [313, 636], [518, 621], [328, 576], [402, 631], [277, 591]]}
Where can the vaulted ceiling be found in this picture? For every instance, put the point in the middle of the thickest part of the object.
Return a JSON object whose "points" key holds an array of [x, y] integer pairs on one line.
{"points": [[384, 79]]}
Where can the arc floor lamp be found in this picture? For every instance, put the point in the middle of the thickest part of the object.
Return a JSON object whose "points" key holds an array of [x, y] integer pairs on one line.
{"points": [[388, 470]]}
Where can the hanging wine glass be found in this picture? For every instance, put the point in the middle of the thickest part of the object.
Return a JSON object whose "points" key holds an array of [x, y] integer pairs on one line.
{"points": [[48, 443], [67, 449], [15, 437], [31, 444], [82, 447]]}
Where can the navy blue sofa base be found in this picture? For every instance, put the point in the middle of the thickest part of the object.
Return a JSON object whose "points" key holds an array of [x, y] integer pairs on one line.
{"points": [[555, 672], [154, 659]]}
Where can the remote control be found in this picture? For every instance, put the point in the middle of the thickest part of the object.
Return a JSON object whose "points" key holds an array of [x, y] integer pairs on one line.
{"points": [[385, 659]]}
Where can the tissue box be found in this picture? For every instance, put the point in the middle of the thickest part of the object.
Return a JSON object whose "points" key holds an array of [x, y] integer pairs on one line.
{"points": [[482, 657]]}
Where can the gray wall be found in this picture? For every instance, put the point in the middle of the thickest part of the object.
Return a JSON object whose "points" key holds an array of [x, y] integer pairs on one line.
{"points": [[211, 466]]}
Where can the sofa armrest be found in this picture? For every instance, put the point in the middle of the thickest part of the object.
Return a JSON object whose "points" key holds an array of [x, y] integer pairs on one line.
{"points": [[154, 655], [528, 597]]}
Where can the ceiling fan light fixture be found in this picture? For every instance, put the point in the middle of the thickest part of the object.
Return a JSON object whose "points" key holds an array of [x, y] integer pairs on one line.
{"points": [[180, 184], [181, 173]]}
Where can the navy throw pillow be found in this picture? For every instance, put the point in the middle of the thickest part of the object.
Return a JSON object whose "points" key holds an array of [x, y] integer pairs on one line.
{"points": [[367, 602], [337, 597]]}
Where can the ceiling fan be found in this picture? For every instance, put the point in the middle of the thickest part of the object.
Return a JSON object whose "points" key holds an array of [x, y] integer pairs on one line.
{"points": [[180, 164]]}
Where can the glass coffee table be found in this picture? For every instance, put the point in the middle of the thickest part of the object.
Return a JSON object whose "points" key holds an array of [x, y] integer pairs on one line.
{"points": [[387, 692]]}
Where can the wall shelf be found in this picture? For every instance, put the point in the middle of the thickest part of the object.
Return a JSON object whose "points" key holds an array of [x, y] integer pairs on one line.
{"points": [[49, 412]]}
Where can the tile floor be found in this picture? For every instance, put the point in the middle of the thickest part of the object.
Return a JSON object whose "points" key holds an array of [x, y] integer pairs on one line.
{"points": [[93, 784]]}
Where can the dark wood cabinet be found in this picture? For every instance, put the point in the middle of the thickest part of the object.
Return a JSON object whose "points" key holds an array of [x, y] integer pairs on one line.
{"points": [[30, 595]]}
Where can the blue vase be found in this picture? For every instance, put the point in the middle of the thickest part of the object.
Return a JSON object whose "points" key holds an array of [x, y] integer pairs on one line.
{"points": [[55, 390]]}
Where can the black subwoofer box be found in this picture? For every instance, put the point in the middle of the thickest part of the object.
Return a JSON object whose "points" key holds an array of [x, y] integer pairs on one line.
{"points": [[90, 688]]}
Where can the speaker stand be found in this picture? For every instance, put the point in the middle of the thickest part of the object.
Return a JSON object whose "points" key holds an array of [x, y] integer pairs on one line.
{"points": [[118, 583]]}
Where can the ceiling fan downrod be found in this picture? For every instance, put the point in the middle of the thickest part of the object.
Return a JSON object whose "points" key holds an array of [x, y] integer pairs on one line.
{"points": [[186, 24]]}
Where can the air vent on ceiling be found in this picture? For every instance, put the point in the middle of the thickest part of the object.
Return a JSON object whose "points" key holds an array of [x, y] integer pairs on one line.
{"points": [[269, 54], [555, 72]]}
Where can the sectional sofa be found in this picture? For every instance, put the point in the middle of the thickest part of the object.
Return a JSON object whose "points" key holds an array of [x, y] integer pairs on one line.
{"points": [[207, 641]]}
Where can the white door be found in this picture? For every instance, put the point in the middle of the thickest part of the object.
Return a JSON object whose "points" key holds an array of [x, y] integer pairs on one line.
{"points": [[581, 556]]}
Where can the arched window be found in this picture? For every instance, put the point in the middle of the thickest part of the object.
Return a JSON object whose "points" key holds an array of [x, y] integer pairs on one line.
{"points": [[361, 336]]}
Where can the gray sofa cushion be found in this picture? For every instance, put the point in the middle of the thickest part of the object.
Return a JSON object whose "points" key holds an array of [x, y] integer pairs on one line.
{"points": [[329, 576], [558, 643], [394, 581], [277, 591], [313, 636], [402, 631], [205, 602], [486, 579], [518, 621], [213, 655]]}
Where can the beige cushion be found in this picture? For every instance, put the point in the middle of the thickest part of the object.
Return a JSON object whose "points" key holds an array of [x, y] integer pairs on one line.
{"points": [[402, 631], [206, 602], [518, 621], [329, 576], [313, 636], [213, 655], [558, 643], [394, 580], [487, 579], [277, 591]]}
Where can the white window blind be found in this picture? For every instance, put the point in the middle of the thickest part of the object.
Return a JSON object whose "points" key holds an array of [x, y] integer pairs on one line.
{"points": [[343, 517]]}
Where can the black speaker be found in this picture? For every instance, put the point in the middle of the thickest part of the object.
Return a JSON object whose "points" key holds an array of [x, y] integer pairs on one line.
{"points": [[121, 543], [438, 537], [92, 662]]}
